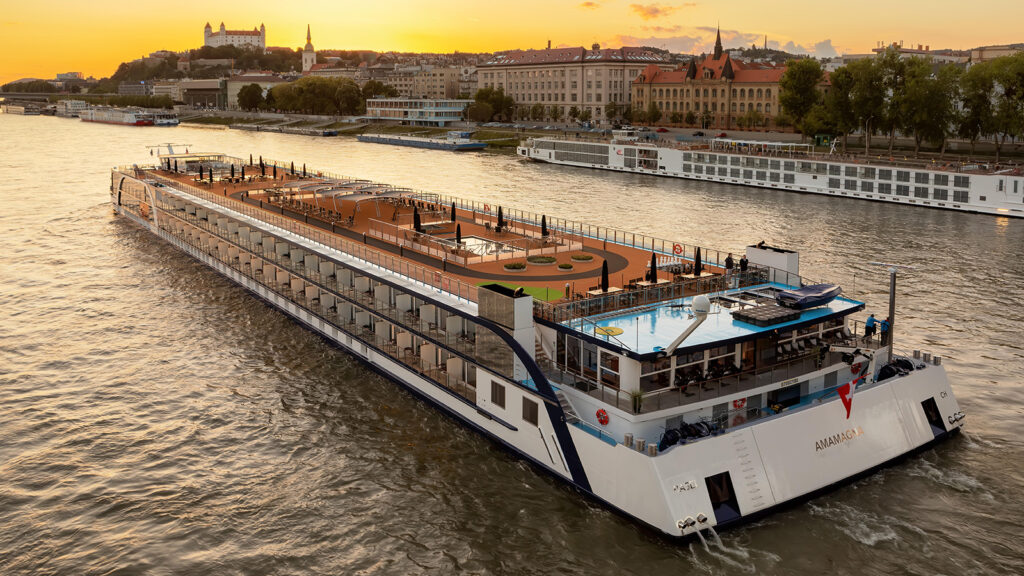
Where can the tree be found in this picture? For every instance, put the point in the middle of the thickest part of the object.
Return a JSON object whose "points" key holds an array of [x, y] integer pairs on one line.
{"points": [[269, 102], [479, 112], [976, 88], [676, 118], [250, 96], [893, 72], [574, 113], [375, 88], [502, 105], [838, 105], [639, 115], [690, 118], [611, 111], [585, 115], [537, 112], [555, 113], [929, 104], [653, 112], [868, 97], [1008, 118], [798, 89], [751, 118]]}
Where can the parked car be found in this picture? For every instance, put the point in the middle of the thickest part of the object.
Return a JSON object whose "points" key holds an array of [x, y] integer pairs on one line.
{"points": [[699, 133], [722, 135], [662, 130]]}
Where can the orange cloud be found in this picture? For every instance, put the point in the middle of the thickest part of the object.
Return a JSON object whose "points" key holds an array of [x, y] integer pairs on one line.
{"points": [[652, 11], [590, 5]]}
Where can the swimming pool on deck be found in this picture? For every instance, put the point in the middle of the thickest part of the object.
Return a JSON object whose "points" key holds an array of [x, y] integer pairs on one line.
{"points": [[648, 329]]}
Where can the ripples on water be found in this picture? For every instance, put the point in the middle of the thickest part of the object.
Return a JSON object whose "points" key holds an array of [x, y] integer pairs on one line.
{"points": [[156, 419]]}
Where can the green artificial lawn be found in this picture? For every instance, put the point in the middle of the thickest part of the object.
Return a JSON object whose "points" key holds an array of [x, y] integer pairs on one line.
{"points": [[538, 293]]}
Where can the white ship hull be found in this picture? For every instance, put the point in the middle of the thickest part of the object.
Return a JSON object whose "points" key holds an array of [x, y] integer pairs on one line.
{"points": [[770, 462], [1000, 194]]}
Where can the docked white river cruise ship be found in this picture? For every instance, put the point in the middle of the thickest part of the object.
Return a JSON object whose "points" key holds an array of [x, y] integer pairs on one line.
{"points": [[648, 374], [796, 168]]}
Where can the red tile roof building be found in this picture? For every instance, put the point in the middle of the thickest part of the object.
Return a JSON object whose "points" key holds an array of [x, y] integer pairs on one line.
{"points": [[717, 90], [564, 78]]}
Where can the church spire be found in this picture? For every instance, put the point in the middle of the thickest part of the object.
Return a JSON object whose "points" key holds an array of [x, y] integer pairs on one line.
{"points": [[718, 43], [309, 39]]}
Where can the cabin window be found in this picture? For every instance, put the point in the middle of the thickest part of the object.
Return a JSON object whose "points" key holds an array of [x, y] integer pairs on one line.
{"points": [[942, 179], [851, 171], [920, 191], [941, 194], [573, 355], [656, 365], [884, 188], [962, 181], [529, 411], [884, 174], [590, 360], [920, 177], [902, 176], [497, 394], [961, 196]]}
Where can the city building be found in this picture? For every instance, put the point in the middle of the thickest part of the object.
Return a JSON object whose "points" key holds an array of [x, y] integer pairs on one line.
{"points": [[265, 79], [308, 54], [715, 92], [255, 38], [467, 80], [210, 93], [332, 71], [416, 111], [169, 88], [982, 54], [135, 89], [436, 82], [567, 77], [69, 76]]}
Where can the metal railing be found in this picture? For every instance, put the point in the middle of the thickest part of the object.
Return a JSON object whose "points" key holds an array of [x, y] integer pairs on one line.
{"points": [[427, 276]]}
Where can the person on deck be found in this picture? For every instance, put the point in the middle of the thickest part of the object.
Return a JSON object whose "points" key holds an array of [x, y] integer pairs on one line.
{"points": [[870, 325], [886, 325], [743, 263]]}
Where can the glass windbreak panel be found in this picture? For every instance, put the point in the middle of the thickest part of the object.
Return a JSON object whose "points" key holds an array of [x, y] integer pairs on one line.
{"points": [[590, 360], [573, 357], [609, 361]]}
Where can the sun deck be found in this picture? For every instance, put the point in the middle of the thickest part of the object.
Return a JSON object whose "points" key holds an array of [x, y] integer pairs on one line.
{"points": [[648, 329], [553, 259]]}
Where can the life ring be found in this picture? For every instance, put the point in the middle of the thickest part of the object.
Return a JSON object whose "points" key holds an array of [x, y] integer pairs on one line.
{"points": [[487, 207], [677, 248], [855, 369], [737, 419], [602, 417], [739, 403]]}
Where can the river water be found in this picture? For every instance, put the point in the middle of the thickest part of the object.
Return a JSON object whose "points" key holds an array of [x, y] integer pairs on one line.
{"points": [[156, 419]]}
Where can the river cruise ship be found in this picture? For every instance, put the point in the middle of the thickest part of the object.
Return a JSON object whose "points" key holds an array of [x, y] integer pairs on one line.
{"points": [[121, 116], [646, 373], [454, 141], [987, 189]]}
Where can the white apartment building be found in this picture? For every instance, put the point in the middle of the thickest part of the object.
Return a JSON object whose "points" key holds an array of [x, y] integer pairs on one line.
{"points": [[437, 82], [568, 77]]}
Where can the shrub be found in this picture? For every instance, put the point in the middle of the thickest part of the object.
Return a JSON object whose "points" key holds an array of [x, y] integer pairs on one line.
{"points": [[541, 259], [565, 266], [582, 257], [515, 266]]}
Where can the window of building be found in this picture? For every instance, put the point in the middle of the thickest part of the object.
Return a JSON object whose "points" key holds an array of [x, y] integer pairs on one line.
{"points": [[743, 92], [733, 92], [529, 411], [497, 394]]}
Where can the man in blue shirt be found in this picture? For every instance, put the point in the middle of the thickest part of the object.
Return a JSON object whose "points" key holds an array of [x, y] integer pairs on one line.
{"points": [[869, 327], [885, 324]]}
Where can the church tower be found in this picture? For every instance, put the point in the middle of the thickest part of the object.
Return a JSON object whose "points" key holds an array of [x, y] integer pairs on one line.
{"points": [[308, 54], [718, 44]]}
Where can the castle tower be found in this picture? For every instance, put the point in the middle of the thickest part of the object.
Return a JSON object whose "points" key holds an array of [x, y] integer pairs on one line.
{"points": [[308, 54], [207, 32], [718, 44]]}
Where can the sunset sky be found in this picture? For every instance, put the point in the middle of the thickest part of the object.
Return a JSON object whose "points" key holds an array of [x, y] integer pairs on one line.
{"points": [[39, 39]]}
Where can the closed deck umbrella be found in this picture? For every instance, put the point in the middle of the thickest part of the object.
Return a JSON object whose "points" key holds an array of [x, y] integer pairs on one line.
{"points": [[453, 210], [654, 267], [543, 225], [458, 234], [604, 276], [501, 219], [416, 220], [232, 170], [697, 266]]}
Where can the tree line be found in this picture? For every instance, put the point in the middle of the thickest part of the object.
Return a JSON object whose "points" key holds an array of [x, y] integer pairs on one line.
{"points": [[314, 95], [913, 97]]}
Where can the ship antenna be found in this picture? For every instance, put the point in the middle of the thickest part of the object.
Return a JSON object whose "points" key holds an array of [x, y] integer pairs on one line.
{"points": [[892, 297]]}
